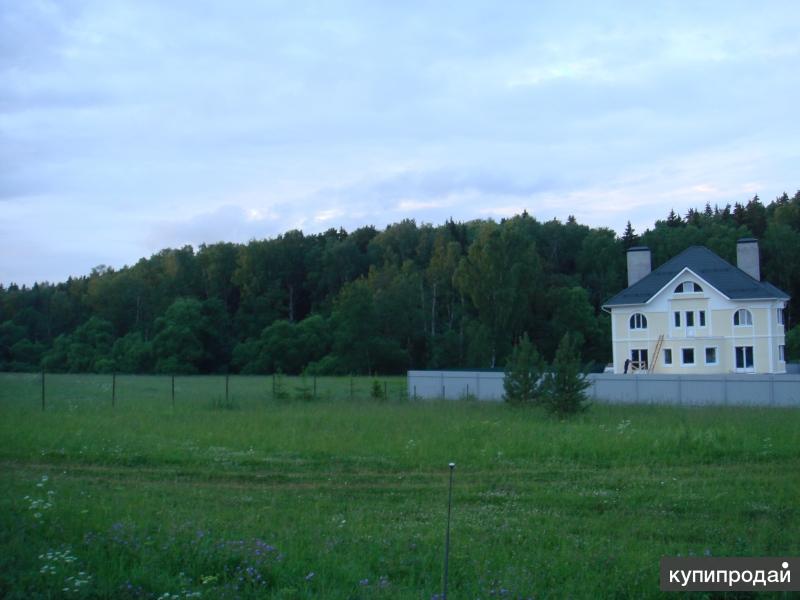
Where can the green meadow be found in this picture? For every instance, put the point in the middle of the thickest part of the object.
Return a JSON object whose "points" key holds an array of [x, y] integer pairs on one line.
{"points": [[288, 492]]}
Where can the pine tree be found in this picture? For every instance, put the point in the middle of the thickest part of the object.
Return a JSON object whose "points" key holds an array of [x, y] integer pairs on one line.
{"points": [[565, 385], [524, 374], [629, 238], [673, 219]]}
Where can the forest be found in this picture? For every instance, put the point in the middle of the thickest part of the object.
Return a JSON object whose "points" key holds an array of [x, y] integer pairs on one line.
{"points": [[368, 301]]}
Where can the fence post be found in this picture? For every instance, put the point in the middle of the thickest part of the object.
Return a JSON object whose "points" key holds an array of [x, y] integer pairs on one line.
{"points": [[771, 390], [226, 388], [173, 391], [385, 391], [315, 387], [113, 389], [415, 393], [351, 387], [42, 389]]}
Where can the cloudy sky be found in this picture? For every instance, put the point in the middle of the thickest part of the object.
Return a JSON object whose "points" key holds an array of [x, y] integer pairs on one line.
{"points": [[130, 126]]}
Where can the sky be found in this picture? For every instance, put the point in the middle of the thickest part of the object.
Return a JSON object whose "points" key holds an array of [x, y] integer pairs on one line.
{"points": [[131, 126]]}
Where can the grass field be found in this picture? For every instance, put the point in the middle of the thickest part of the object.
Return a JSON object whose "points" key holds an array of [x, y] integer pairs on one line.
{"points": [[264, 497]]}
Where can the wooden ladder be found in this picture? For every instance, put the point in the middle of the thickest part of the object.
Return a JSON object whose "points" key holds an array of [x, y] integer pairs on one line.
{"points": [[653, 362]]}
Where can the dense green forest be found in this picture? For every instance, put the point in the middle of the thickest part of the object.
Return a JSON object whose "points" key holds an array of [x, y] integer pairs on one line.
{"points": [[410, 296]]}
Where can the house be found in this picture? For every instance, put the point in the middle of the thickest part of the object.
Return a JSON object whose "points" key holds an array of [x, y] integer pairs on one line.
{"points": [[698, 314]]}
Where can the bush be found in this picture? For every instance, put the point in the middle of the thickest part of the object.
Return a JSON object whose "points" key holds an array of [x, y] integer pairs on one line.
{"points": [[278, 390], [566, 383], [305, 392], [523, 382]]}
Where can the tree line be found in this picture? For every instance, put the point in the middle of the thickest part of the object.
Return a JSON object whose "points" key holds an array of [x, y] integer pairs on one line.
{"points": [[409, 296]]}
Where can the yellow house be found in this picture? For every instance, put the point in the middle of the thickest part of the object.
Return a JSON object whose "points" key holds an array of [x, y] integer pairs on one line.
{"points": [[698, 314]]}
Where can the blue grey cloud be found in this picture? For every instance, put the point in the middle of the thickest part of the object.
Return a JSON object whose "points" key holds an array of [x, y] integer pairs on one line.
{"points": [[202, 121]]}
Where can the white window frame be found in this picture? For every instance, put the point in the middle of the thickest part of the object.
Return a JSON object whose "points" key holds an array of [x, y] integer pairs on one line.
{"points": [[689, 316], [676, 319], [701, 318], [716, 355], [681, 288], [744, 369], [694, 358], [748, 317], [637, 323], [667, 352], [781, 317]]}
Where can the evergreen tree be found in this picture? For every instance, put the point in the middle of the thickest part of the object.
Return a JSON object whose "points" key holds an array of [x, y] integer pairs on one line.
{"points": [[673, 219], [629, 238], [524, 374], [566, 383]]}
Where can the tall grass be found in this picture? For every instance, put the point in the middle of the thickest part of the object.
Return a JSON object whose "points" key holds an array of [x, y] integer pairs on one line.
{"points": [[341, 498]]}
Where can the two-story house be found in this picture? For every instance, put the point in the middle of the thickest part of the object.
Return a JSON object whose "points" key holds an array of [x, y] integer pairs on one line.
{"points": [[698, 314]]}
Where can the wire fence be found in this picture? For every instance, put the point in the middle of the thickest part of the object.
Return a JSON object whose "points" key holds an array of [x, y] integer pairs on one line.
{"points": [[60, 391]]}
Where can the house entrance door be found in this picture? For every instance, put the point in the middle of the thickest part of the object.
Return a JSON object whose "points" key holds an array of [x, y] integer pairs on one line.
{"points": [[639, 359]]}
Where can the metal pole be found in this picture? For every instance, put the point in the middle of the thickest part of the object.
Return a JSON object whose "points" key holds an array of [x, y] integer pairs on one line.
{"points": [[173, 391], [113, 389], [273, 386], [351, 387], [42, 389], [447, 536], [315, 387], [226, 388]]}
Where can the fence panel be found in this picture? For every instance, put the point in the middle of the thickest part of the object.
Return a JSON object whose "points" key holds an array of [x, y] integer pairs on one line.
{"points": [[689, 390]]}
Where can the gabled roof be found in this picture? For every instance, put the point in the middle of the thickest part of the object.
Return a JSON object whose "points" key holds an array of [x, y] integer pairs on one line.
{"points": [[719, 273]]}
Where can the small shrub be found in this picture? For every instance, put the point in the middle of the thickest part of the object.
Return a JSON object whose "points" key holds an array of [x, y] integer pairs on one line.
{"points": [[304, 392], [278, 389]]}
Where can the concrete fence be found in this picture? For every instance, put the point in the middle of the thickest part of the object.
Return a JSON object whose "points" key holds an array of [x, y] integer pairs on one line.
{"points": [[455, 385], [735, 390], [697, 390]]}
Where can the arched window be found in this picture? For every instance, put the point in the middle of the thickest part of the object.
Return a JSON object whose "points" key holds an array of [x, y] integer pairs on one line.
{"points": [[638, 321], [688, 287], [742, 317]]}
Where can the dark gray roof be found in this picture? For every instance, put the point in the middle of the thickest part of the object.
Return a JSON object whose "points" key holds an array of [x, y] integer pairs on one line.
{"points": [[730, 280]]}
